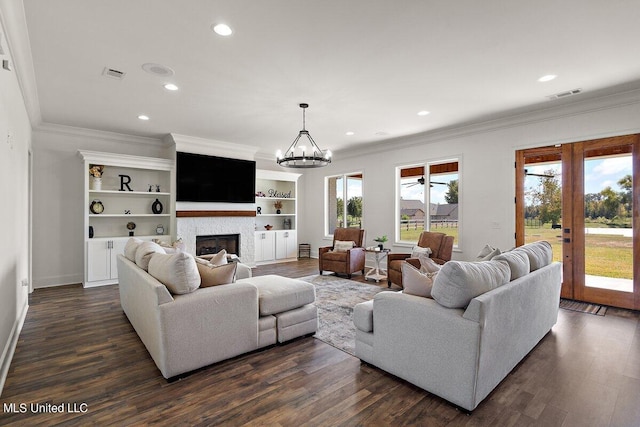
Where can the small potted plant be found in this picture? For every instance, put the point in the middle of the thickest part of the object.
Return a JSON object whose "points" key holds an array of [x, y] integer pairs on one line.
{"points": [[278, 206], [381, 240], [95, 177]]}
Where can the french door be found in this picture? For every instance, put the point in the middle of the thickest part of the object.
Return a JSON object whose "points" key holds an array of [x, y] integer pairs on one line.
{"points": [[584, 199]]}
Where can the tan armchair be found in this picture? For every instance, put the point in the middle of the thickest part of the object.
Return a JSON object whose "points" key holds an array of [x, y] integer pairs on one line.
{"points": [[346, 262], [441, 247]]}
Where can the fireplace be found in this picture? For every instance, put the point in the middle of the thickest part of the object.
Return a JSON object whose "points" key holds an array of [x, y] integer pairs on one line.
{"points": [[217, 242]]}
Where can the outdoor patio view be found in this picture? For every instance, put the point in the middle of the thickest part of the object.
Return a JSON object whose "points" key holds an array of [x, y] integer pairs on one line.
{"points": [[607, 217]]}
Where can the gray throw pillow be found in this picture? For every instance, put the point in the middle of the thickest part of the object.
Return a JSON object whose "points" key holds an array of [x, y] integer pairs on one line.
{"points": [[518, 263], [539, 254], [458, 282]]}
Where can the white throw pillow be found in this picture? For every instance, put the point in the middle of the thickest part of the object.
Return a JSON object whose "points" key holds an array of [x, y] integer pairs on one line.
{"points": [[178, 272], [343, 245], [415, 282], [458, 282], [422, 254], [216, 259], [131, 247], [495, 252], [144, 252], [485, 251], [428, 265]]}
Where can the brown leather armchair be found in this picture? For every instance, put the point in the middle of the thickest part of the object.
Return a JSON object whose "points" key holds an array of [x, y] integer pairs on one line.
{"points": [[441, 247], [346, 262]]}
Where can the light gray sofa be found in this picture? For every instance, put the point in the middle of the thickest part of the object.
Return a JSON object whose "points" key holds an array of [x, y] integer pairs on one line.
{"points": [[192, 330], [462, 354]]}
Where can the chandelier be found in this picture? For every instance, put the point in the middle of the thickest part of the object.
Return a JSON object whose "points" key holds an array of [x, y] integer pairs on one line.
{"points": [[299, 155]]}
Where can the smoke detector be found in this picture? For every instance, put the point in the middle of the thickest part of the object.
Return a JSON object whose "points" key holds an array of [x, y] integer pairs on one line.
{"points": [[158, 69], [565, 94], [113, 73]]}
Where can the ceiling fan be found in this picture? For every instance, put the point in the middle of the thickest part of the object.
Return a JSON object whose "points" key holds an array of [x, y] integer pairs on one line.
{"points": [[541, 175], [421, 181]]}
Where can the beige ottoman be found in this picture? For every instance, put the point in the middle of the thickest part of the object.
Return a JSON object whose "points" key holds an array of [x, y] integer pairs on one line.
{"points": [[291, 301]]}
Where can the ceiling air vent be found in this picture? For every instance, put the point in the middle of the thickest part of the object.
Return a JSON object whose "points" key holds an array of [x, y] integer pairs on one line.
{"points": [[565, 94], [114, 74]]}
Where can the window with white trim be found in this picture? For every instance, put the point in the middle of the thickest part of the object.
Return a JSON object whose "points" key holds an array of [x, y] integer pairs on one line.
{"points": [[428, 201], [343, 204]]}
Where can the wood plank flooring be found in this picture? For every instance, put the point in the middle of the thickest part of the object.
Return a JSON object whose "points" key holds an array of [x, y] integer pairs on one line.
{"points": [[77, 347]]}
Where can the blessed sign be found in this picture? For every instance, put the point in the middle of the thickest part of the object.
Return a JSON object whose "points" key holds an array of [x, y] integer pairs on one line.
{"points": [[280, 194]]}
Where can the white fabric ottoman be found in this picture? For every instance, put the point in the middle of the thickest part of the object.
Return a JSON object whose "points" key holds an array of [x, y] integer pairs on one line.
{"points": [[291, 302]]}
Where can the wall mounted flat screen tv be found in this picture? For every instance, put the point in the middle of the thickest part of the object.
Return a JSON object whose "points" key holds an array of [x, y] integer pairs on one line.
{"points": [[203, 178]]}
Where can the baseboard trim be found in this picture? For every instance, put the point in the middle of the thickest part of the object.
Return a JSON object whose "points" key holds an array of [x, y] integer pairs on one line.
{"points": [[10, 347]]}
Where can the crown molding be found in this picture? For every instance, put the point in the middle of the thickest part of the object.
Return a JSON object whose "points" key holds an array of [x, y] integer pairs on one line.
{"points": [[212, 147], [96, 134], [13, 20], [541, 115]]}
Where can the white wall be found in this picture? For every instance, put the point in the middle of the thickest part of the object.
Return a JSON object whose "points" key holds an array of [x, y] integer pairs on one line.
{"points": [[58, 195], [15, 143], [487, 177]]}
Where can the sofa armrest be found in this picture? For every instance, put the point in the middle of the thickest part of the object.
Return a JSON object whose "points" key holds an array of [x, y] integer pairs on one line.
{"points": [[392, 256], [208, 325], [363, 316]]}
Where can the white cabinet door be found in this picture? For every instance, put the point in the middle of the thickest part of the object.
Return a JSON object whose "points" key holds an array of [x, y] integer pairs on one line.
{"points": [[117, 247], [286, 243], [98, 260], [265, 246]]}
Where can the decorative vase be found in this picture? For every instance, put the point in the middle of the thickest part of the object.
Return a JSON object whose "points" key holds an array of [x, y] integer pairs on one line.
{"points": [[156, 207], [95, 183], [278, 211]]}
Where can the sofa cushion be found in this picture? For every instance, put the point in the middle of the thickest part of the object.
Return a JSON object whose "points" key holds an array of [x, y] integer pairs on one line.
{"points": [[342, 246], [458, 282], [485, 251], [539, 254], [518, 263], [145, 251], [178, 272], [214, 275], [334, 256], [277, 294], [131, 247], [416, 282]]}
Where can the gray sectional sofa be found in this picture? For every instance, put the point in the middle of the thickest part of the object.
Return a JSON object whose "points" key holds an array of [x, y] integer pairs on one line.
{"points": [[187, 331], [483, 319]]}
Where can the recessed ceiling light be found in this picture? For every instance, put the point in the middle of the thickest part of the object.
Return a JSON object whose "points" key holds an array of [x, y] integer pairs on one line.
{"points": [[350, 133], [143, 117], [423, 113], [222, 29], [170, 86], [547, 78]]}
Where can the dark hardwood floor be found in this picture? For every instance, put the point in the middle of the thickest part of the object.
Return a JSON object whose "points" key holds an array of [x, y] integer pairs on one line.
{"points": [[77, 348]]}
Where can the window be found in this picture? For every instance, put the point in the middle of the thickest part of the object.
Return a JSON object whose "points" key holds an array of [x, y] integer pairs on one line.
{"points": [[441, 215], [344, 202]]}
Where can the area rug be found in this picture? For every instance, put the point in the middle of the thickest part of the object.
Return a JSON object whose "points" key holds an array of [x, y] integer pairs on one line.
{"points": [[335, 299], [583, 307]]}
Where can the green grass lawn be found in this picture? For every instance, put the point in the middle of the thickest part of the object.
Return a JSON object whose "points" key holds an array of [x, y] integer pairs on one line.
{"points": [[606, 255]]}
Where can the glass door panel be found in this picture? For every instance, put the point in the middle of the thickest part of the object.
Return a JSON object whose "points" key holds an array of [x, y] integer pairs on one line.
{"points": [[543, 204], [608, 221]]}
